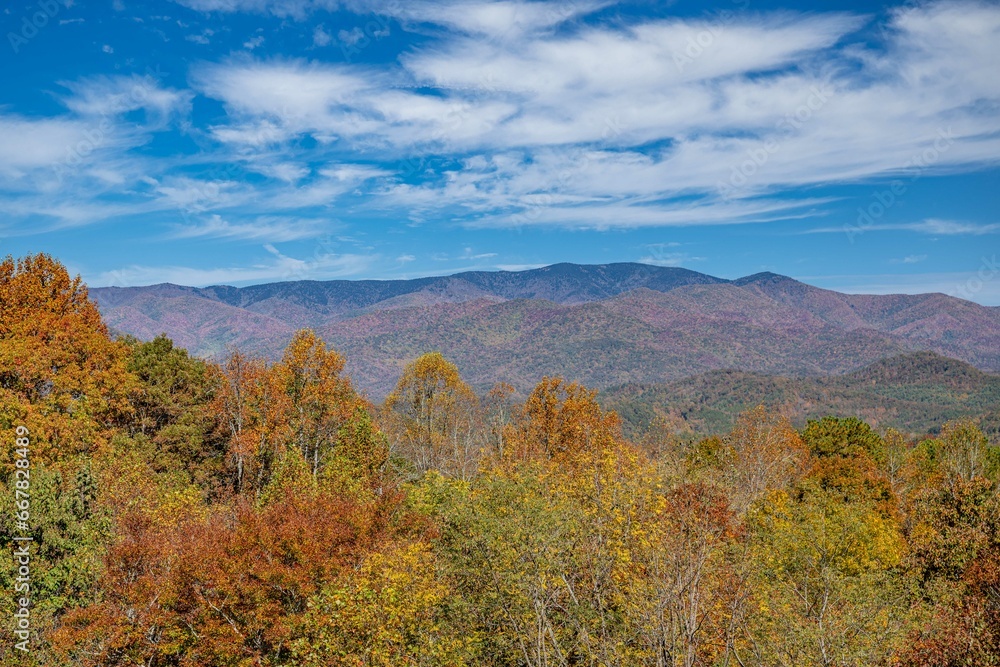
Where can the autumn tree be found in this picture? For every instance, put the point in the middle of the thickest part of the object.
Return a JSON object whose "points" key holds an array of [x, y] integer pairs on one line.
{"points": [[498, 411], [252, 405], [320, 398], [432, 417], [563, 421], [61, 375], [687, 585], [306, 573], [67, 381], [69, 533], [302, 402], [844, 437], [955, 543], [847, 455], [964, 450], [542, 543], [825, 582], [393, 610], [765, 454], [896, 466]]}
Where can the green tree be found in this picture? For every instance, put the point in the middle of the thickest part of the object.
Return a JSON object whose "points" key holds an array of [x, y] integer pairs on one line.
{"points": [[171, 407]]}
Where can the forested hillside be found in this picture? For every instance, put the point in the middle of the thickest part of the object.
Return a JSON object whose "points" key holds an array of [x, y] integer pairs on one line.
{"points": [[261, 511], [917, 393]]}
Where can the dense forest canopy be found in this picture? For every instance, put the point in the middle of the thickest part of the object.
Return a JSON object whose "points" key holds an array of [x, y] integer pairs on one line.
{"points": [[267, 513]]}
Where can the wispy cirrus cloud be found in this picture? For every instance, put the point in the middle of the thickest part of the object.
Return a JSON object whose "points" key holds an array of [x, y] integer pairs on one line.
{"points": [[597, 126], [608, 114], [477, 17], [930, 226], [113, 96], [275, 267], [478, 118], [270, 229], [909, 259]]}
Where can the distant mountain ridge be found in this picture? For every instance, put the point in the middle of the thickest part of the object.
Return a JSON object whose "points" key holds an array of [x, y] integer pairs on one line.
{"points": [[604, 325], [561, 283]]}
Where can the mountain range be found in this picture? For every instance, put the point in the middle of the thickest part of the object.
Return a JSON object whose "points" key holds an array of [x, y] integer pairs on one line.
{"points": [[604, 325]]}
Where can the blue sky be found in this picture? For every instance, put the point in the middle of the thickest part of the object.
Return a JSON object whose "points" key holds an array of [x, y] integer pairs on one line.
{"points": [[851, 145]]}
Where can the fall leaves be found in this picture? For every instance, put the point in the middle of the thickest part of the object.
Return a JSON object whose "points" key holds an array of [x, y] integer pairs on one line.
{"points": [[261, 512], [60, 373]]}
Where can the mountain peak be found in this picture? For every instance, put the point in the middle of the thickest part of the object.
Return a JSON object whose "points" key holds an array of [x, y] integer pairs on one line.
{"points": [[764, 277]]}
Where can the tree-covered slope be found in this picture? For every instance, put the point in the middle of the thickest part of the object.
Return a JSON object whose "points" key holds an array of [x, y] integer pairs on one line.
{"points": [[916, 393]]}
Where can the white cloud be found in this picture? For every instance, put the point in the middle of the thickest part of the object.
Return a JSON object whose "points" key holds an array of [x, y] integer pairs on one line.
{"points": [[352, 36], [468, 253], [116, 95], [330, 184], [909, 259], [670, 259], [282, 171], [30, 144], [291, 95], [492, 18], [498, 20], [519, 267], [952, 227], [270, 229], [192, 194], [624, 115], [661, 254], [252, 134], [931, 226], [276, 267], [50, 215], [297, 9]]}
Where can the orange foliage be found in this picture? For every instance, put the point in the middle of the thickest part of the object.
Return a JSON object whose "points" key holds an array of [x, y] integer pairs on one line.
{"points": [[301, 402], [60, 373], [226, 589], [767, 454], [563, 422]]}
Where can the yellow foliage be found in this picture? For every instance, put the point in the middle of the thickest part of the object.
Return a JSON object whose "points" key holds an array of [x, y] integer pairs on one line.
{"points": [[389, 613]]}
